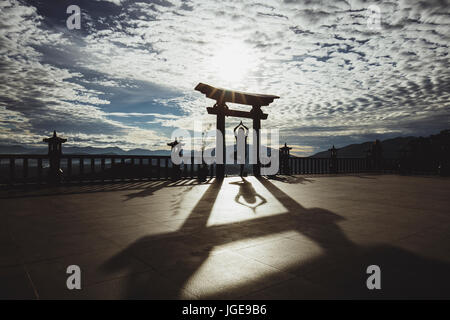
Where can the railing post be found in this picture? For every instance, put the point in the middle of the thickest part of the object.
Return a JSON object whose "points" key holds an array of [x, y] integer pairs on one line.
{"points": [[141, 167], [112, 175], [11, 169], [122, 167], [150, 163], [25, 168], [81, 165], [92, 169], [39, 170], [132, 169], [166, 168], [102, 169], [69, 168], [158, 169]]}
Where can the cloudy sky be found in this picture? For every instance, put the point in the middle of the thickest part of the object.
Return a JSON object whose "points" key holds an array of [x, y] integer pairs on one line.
{"points": [[126, 77]]}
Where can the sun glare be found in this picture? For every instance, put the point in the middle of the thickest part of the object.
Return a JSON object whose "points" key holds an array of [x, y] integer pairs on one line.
{"points": [[233, 62]]}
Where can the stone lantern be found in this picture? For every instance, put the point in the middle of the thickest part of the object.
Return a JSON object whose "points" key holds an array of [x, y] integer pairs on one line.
{"points": [[54, 155], [333, 160], [284, 159], [175, 167]]}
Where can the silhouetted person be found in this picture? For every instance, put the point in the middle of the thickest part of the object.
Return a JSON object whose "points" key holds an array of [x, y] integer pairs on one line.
{"points": [[241, 133]]}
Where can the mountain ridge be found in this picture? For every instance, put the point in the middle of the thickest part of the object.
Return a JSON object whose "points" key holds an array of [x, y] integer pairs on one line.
{"points": [[18, 149], [392, 149]]}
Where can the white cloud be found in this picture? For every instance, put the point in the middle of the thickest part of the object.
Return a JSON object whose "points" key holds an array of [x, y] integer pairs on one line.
{"points": [[116, 2], [335, 76]]}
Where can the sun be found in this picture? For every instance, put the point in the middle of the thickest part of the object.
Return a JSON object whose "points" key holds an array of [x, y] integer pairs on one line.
{"points": [[232, 62]]}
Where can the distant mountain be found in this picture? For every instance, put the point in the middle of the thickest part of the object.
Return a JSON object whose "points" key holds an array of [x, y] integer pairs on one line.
{"points": [[391, 149], [145, 152], [113, 151], [17, 149]]}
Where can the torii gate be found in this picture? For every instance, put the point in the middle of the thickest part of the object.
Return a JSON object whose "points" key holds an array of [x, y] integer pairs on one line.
{"points": [[221, 110]]}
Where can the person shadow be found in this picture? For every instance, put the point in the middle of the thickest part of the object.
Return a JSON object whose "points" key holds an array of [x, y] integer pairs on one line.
{"points": [[339, 271], [248, 193]]}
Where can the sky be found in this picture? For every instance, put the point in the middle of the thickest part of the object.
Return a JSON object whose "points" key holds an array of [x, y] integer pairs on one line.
{"points": [[126, 78]]}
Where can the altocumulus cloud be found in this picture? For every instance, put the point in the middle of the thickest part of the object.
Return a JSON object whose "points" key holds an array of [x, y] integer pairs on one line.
{"points": [[339, 80]]}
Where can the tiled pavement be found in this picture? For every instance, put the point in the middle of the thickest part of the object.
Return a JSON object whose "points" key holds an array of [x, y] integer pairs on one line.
{"points": [[289, 238]]}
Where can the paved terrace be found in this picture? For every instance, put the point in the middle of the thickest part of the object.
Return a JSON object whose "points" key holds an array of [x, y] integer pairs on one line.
{"points": [[293, 238]]}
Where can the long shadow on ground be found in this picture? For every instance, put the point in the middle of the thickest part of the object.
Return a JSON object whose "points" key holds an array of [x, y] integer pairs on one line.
{"points": [[338, 272]]}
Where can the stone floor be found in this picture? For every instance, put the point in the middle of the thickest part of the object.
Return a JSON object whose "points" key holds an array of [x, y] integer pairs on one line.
{"points": [[286, 238]]}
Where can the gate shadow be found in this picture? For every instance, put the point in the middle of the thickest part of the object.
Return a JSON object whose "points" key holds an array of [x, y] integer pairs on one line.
{"points": [[339, 271]]}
